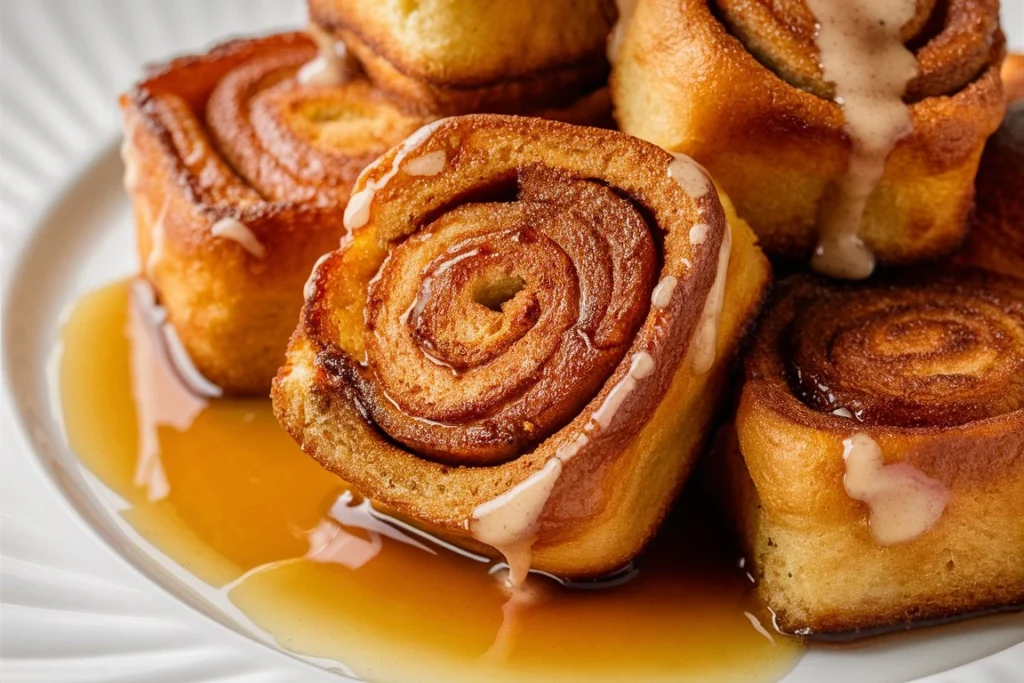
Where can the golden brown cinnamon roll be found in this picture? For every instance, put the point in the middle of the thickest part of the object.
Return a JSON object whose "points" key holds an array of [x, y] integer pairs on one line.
{"points": [[877, 458], [869, 157], [996, 240], [523, 340], [537, 57], [239, 171]]}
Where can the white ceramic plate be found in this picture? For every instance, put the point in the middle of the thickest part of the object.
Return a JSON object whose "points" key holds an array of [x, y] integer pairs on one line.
{"points": [[83, 597]]}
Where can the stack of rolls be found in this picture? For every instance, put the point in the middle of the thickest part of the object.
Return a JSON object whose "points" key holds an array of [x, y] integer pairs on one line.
{"points": [[240, 161], [516, 331]]}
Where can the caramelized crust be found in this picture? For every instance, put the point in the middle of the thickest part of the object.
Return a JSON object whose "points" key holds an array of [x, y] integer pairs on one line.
{"points": [[931, 368], [496, 290], [744, 96], [461, 56], [996, 240], [239, 176]]}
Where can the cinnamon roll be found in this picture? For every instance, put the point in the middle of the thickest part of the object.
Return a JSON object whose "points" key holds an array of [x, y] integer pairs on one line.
{"points": [[239, 163], [522, 341], [851, 144], [996, 240], [446, 57], [877, 456]]}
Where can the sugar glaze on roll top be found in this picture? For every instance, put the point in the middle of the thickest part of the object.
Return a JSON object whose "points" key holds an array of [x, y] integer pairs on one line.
{"points": [[357, 213], [508, 523], [904, 502], [862, 53], [234, 229], [331, 66]]}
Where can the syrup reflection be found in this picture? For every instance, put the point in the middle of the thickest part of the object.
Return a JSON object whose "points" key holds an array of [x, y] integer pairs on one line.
{"points": [[161, 397]]}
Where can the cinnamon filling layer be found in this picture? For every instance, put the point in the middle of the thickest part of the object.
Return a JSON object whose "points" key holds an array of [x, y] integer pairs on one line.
{"points": [[953, 41], [261, 134], [934, 353], [492, 327]]}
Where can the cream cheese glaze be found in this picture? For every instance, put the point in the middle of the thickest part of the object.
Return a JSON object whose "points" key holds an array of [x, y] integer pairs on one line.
{"points": [[862, 53], [233, 229], [903, 502], [705, 339], [331, 66], [357, 213], [508, 522]]}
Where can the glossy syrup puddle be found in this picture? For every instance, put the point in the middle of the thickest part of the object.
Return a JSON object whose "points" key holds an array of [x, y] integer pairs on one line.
{"points": [[241, 508]]}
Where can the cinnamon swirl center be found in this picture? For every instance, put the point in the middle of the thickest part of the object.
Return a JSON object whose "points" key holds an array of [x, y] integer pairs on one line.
{"points": [[936, 354], [490, 328]]}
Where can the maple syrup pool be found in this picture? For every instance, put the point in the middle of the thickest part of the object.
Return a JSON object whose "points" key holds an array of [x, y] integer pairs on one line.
{"points": [[217, 486]]}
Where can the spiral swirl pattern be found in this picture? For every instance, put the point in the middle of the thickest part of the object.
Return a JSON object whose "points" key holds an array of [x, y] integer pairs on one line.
{"points": [[522, 340], [925, 352], [953, 41], [286, 141], [497, 322], [504, 312], [240, 162]]}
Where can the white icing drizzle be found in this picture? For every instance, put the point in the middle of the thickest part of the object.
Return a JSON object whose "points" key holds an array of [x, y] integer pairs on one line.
{"points": [[160, 398], [357, 212], [167, 388], [520, 599], [330, 66], [904, 503], [662, 294], [690, 175], [705, 339], [233, 229], [156, 236], [843, 412], [641, 366], [698, 233], [758, 626], [430, 164], [862, 53], [509, 522], [189, 373], [309, 289]]}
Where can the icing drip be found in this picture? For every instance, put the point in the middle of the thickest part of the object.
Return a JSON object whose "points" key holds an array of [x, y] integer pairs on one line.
{"points": [[843, 412], [309, 289], [641, 366], [705, 340], [167, 388], [903, 502], [690, 176], [430, 164], [662, 294], [331, 66], [232, 229], [520, 599], [863, 55], [357, 212], [160, 397], [509, 522]]}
